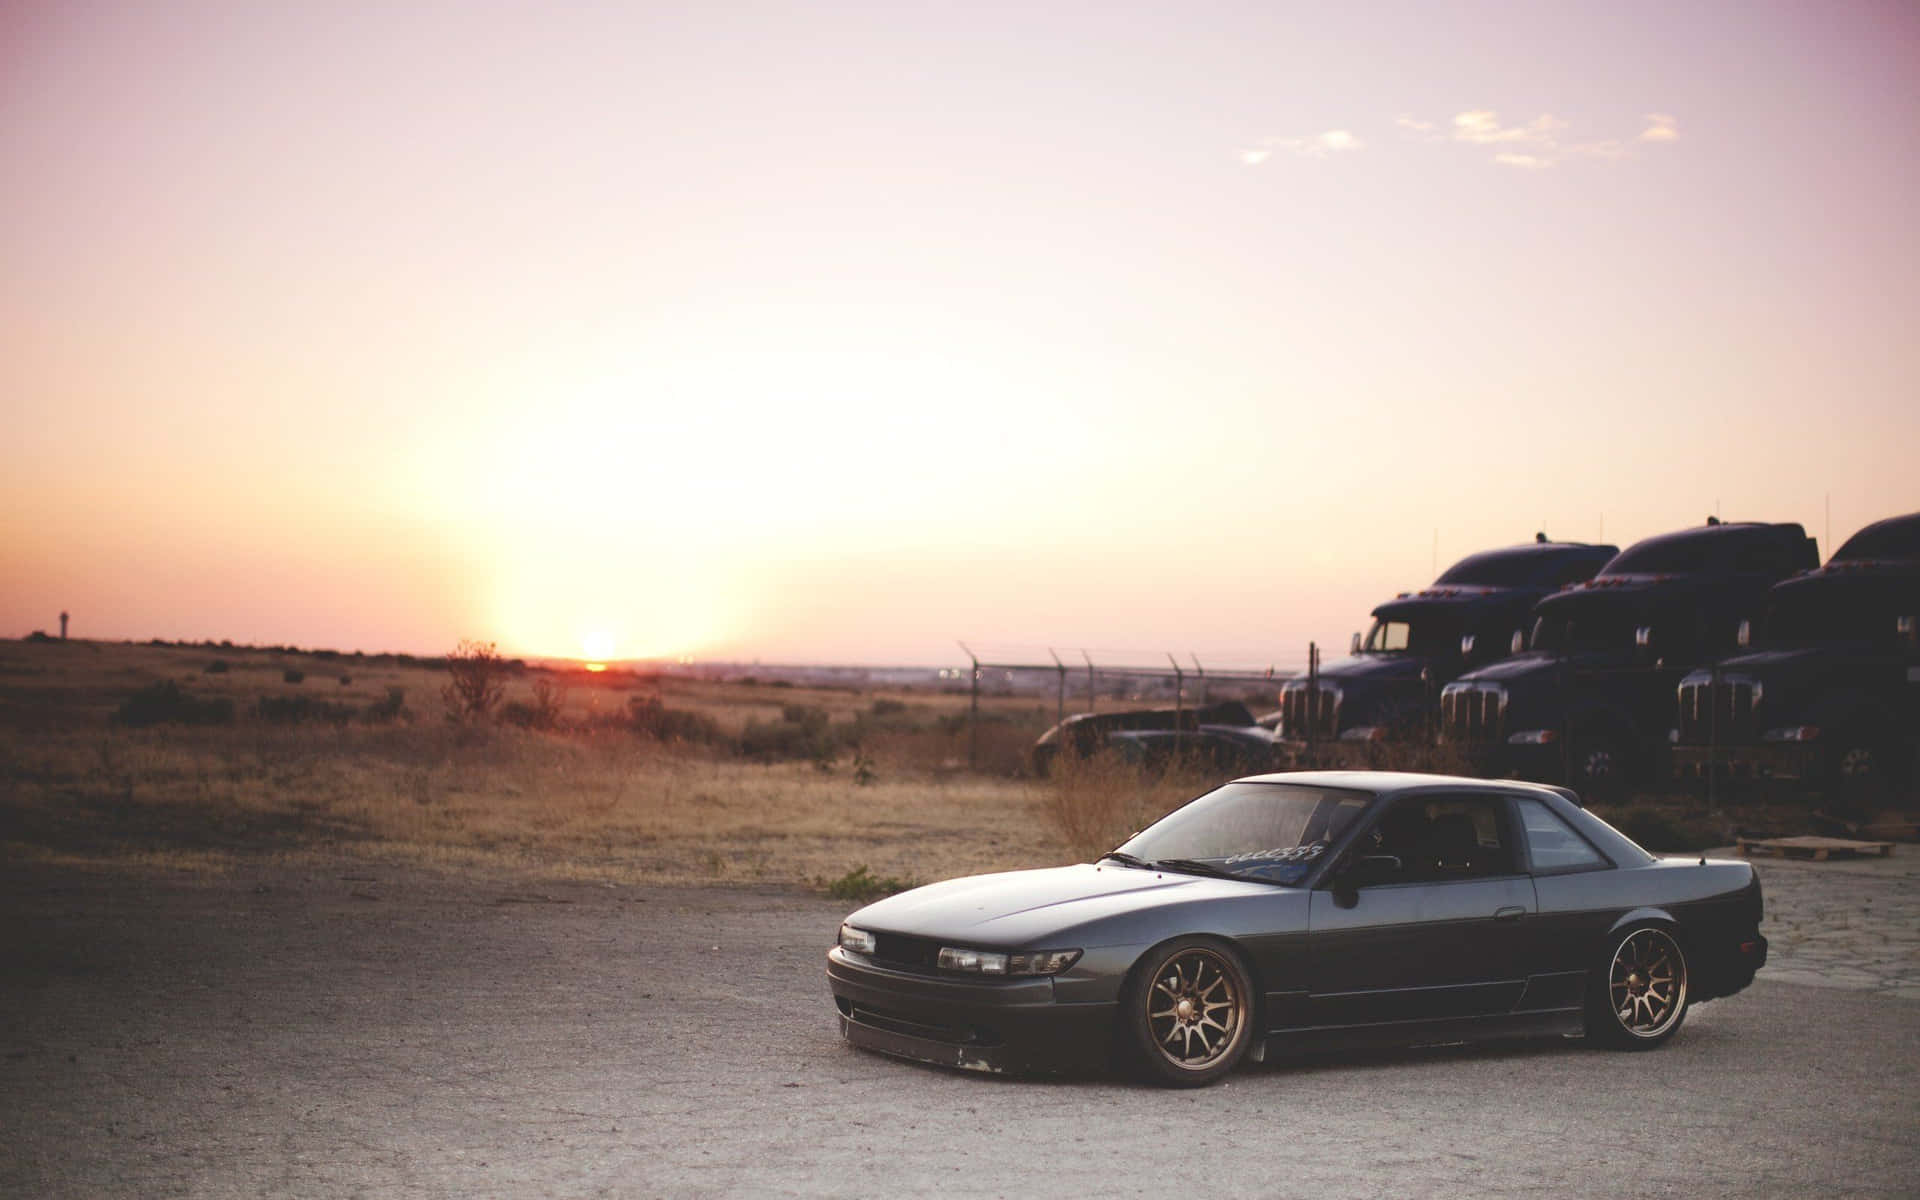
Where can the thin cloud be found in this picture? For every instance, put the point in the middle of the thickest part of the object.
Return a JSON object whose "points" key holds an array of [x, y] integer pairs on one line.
{"points": [[1319, 145], [1531, 145], [1660, 128], [1482, 128]]}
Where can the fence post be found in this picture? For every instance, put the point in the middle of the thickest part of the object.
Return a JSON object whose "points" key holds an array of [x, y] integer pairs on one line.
{"points": [[1179, 707], [1205, 695], [1060, 705], [1093, 704], [1313, 701], [973, 710]]}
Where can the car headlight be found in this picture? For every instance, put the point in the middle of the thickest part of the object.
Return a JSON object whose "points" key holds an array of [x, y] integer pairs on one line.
{"points": [[988, 962], [857, 940]]}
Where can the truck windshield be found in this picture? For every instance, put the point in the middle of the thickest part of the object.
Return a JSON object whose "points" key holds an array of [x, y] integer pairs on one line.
{"points": [[1860, 614], [1431, 635], [1598, 625]]}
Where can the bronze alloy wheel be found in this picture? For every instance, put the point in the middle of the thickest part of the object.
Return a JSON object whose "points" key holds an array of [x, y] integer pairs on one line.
{"points": [[1192, 1011], [1646, 988]]}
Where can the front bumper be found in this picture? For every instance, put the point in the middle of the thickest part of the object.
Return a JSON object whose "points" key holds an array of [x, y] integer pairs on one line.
{"points": [[981, 1025], [1764, 760]]}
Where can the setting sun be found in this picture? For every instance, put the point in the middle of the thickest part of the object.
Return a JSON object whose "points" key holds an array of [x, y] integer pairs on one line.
{"points": [[598, 645]]}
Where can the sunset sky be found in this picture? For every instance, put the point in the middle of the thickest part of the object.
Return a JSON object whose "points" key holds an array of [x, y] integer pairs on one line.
{"points": [[836, 332]]}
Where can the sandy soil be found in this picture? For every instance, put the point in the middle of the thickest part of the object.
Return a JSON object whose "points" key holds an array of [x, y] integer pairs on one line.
{"points": [[351, 1031]]}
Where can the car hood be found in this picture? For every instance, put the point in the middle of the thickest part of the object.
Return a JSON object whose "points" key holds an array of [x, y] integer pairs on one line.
{"points": [[1017, 908]]}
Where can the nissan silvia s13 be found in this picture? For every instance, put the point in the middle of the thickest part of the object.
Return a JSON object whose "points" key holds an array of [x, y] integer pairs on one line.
{"points": [[1304, 912]]}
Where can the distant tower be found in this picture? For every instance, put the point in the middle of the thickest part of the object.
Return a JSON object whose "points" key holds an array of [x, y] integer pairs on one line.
{"points": [[63, 626]]}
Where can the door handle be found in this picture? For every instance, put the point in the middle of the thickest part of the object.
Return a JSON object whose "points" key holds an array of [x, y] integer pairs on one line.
{"points": [[1509, 913]]}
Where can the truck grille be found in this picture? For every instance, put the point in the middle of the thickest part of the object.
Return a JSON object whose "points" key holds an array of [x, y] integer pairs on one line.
{"points": [[1723, 711], [1304, 705], [1473, 713]]}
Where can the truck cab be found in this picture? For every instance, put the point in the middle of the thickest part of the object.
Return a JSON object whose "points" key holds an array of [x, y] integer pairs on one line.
{"points": [[1589, 703], [1387, 688], [1829, 690]]}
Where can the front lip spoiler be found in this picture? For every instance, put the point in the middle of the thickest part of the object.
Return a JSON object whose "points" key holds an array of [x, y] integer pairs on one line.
{"points": [[919, 1049]]}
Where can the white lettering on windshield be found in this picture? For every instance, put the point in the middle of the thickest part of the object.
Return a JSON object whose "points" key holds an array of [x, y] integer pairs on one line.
{"points": [[1305, 853]]}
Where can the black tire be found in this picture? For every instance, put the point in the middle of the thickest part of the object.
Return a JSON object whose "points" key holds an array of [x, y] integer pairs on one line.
{"points": [[1637, 992], [1187, 1012]]}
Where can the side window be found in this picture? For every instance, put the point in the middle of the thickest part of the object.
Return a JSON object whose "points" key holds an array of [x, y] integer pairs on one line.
{"points": [[1440, 838], [1552, 843]]}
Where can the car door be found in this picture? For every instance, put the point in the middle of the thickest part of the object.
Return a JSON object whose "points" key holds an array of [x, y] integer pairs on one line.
{"points": [[1442, 936]]}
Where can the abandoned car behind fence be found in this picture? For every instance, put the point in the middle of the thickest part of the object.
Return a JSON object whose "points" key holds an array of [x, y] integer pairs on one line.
{"points": [[1302, 912]]}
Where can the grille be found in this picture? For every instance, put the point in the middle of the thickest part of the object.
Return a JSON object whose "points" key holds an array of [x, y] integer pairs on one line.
{"points": [[1724, 710], [1298, 705], [1473, 713]]}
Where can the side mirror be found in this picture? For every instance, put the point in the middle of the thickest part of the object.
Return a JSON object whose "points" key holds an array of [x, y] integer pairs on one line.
{"points": [[1370, 869], [1743, 636], [1517, 642], [1357, 873], [1466, 645], [1354, 646], [1643, 643]]}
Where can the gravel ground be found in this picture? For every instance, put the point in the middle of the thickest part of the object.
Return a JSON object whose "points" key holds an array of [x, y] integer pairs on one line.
{"points": [[388, 1032]]}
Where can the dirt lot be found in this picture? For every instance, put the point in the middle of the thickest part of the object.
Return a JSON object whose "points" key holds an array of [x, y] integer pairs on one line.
{"points": [[391, 1031]]}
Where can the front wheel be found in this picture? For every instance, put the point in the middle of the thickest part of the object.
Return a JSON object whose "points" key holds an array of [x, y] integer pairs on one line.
{"points": [[1638, 994], [1188, 1012]]}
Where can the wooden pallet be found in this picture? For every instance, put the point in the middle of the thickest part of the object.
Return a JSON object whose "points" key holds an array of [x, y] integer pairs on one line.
{"points": [[1818, 849]]}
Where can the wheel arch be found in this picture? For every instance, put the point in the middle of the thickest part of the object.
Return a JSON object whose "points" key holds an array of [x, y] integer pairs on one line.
{"points": [[1258, 1000], [1650, 915]]}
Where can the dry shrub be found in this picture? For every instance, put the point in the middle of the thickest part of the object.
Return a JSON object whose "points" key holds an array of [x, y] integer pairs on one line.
{"points": [[1093, 804], [476, 680]]}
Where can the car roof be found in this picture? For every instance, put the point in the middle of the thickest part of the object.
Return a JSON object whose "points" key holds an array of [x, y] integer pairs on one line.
{"points": [[1407, 781]]}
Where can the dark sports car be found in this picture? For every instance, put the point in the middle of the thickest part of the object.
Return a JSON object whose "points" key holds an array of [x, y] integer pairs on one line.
{"points": [[1304, 911]]}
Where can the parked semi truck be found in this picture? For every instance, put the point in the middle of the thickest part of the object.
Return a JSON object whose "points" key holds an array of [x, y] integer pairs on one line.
{"points": [[1589, 704], [1388, 687], [1830, 692]]}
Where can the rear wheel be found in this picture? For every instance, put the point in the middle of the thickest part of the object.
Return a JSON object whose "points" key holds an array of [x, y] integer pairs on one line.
{"points": [[1188, 1012], [1637, 996]]}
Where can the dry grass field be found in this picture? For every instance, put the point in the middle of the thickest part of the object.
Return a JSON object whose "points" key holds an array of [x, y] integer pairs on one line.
{"points": [[611, 776], [302, 755]]}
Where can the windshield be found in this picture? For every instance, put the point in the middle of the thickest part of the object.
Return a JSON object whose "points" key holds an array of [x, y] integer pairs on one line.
{"points": [[1268, 832], [1429, 635], [1838, 611]]}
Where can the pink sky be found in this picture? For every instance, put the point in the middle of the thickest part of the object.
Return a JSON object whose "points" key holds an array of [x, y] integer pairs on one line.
{"points": [[838, 333]]}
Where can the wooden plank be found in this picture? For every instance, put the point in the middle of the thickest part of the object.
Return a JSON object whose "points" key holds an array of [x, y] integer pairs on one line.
{"points": [[1816, 849]]}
